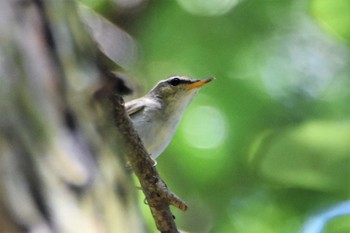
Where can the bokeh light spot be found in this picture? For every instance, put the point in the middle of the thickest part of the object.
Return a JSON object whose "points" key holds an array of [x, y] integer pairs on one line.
{"points": [[204, 127]]}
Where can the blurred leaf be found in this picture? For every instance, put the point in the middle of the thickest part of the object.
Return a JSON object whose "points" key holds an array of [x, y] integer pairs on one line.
{"points": [[314, 155], [259, 212], [101, 6], [338, 225], [333, 16]]}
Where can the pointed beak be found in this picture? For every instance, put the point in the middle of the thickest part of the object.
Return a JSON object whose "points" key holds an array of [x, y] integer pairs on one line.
{"points": [[199, 83]]}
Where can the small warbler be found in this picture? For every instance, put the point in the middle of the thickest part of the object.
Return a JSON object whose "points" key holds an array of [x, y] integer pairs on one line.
{"points": [[157, 114]]}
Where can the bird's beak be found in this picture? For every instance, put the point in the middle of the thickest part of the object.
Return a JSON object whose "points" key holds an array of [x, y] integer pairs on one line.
{"points": [[199, 83]]}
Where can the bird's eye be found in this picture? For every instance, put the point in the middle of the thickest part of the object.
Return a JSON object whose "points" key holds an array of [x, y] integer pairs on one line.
{"points": [[175, 81]]}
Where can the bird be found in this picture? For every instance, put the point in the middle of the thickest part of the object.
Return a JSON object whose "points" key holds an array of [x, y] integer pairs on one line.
{"points": [[156, 115]]}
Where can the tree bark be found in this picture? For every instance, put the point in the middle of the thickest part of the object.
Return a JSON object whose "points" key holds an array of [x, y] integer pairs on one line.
{"points": [[58, 173], [61, 168]]}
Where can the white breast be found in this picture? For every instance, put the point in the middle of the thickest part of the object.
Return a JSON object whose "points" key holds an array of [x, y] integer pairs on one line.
{"points": [[156, 125], [154, 131]]}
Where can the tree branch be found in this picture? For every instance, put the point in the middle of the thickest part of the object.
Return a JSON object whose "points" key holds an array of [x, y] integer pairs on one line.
{"points": [[158, 196]]}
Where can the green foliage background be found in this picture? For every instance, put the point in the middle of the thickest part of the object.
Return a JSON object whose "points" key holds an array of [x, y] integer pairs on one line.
{"points": [[266, 146]]}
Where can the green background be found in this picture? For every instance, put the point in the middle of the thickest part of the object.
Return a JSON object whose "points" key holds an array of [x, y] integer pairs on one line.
{"points": [[266, 146]]}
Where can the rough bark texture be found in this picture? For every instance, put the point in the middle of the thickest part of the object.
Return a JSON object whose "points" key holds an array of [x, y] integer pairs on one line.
{"points": [[57, 173], [60, 163]]}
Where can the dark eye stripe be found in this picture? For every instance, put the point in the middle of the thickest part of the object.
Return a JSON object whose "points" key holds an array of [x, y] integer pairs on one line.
{"points": [[177, 81]]}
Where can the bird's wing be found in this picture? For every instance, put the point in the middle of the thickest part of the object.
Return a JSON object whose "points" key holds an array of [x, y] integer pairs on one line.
{"points": [[134, 106]]}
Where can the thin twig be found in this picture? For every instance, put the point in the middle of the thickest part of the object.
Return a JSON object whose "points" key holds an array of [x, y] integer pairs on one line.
{"points": [[158, 196]]}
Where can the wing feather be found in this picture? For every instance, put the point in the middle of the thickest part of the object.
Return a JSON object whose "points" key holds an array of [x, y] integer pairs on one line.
{"points": [[134, 106]]}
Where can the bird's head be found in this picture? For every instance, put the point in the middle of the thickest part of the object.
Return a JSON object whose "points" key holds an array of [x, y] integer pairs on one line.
{"points": [[178, 89]]}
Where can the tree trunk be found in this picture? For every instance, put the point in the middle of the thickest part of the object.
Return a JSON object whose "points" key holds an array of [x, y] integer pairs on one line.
{"points": [[58, 166]]}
